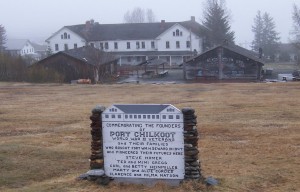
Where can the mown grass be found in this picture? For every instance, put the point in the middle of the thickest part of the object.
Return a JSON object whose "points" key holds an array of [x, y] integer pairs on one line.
{"points": [[249, 134]]}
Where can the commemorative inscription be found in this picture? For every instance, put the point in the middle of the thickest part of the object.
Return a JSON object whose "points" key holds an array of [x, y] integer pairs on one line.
{"points": [[143, 141]]}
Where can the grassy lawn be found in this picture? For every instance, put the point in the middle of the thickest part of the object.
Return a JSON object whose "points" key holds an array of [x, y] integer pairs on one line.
{"points": [[250, 134]]}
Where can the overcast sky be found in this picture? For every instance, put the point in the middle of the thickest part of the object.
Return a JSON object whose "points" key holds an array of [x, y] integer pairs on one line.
{"points": [[38, 19]]}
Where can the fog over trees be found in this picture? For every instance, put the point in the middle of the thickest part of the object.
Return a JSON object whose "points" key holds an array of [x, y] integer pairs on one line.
{"points": [[265, 35], [139, 15]]}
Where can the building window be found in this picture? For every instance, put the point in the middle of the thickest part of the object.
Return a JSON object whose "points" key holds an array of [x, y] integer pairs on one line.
{"points": [[137, 45], [144, 116], [66, 47], [92, 44], [170, 116], [157, 116], [119, 116], [75, 45], [177, 32], [56, 47], [148, 116], [62, 36], [152, 45], [177, 117], [173, 33], [164, 117], [128, 45], [116, 45], [65, 35], [143, 45], [68, 36], [106, 45], [113, 116], [126, 116], [177, 44], [101, 46], [167, 44], [106, 116], [188, 44]]}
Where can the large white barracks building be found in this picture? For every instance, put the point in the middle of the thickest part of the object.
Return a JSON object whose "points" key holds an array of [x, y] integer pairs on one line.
{"points": [[133, 43]]}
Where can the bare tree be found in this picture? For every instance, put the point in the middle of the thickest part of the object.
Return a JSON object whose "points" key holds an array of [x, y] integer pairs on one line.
{"points": [[138, 15], [150, 16]]}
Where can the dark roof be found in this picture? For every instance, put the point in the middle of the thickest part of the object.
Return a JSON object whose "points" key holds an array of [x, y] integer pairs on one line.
{"points": [[142, 109], [130, 31], [86, 54], [16, 44], [90, 55], [288, 47], [234, 48]]}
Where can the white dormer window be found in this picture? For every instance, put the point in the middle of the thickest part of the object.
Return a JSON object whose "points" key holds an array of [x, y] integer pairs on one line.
{"points": [[65, 35]]}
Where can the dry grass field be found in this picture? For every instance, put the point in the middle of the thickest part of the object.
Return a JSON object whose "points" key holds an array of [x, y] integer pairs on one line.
{"points": [[250, 134]]}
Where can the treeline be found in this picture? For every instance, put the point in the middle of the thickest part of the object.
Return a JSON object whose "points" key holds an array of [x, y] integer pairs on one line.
{"points": [[17, 69]]}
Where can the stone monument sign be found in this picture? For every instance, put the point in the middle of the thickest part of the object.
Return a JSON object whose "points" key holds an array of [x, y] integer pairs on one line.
{"points": [[143, 141]]}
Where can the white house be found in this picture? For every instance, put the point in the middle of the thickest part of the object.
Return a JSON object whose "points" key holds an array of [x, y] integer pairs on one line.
{"points": [[24, 47], [163, 113], [135, 42], [20, 47]]}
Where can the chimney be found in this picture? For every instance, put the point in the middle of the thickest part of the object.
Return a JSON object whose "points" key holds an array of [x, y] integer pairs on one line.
{"points": [[193, 18], [162, 24], [87, 25]]}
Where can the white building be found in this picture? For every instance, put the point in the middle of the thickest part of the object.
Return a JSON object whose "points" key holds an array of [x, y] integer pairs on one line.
{"points": [[157, 113], [23, 47], [20, 47], [134, 42]]}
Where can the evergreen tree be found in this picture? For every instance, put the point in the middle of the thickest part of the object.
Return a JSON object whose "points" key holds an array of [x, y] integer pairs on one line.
{"points": [[265, 35], [2, 38], [296, 31], [216, 19], [257, 29]]}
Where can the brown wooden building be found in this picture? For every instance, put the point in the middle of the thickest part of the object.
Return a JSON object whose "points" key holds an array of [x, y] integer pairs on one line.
{"points": [[81, 63], [224, 62]]}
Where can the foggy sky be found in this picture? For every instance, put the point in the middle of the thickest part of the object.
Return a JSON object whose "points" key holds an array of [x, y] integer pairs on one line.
{"points": [[38, 19]]}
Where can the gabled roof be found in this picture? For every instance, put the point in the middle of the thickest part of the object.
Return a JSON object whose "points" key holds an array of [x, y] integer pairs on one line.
{"points": [[87, 54], [15, 44], [234, 48], [142, 109], [130, 31]]}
